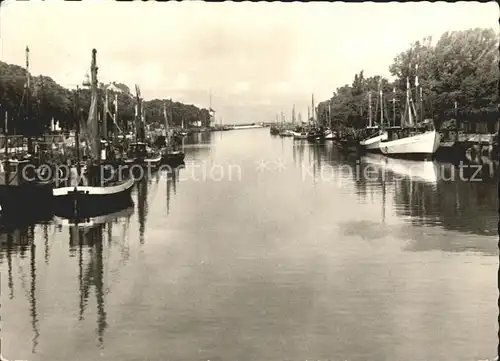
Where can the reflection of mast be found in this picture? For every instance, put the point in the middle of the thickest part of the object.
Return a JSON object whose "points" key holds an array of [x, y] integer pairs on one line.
{"points": [[33, 311], [46, 242], [169, 182], [99, 282], [10, 281], [383, 197], [174, 179], [93, 274], [142, 206]]}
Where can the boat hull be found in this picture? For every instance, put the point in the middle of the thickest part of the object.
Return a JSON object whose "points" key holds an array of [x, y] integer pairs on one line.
{"points": [[29, 201], [140, 166], [372, 144], [329, 136], [172, 159], [297, 135], [88, 201], [422, 145]]}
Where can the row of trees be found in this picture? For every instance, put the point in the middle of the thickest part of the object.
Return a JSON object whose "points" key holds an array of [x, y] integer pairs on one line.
{"points": [[49, 100], [458, 76]]}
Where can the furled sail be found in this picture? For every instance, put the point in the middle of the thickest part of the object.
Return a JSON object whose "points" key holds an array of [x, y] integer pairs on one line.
{"points": [[90, 128]]}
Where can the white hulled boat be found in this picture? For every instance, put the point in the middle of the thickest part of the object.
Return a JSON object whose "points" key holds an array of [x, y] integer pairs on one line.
{"points": [[378, 134], [412, 140]]}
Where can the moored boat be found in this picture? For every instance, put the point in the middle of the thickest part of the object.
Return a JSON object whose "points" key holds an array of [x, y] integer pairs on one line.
{"points": [[414, 143], [414, 139], [22, 182], [93, 193], [139, 154], [300, 135], [329, 134], [169, 155]]}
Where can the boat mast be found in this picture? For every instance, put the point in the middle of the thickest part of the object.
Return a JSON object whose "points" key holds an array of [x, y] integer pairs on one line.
{"points": [[28, 127], [394, 106], [166, 120], [418, 115], [370, 109], [138, 115], [77, 130], [105, 115], [94, 137], [308, 115], [408, 104], [293, 115], [6, 131], [381, 104], [312, 109], [329, 122], [212, 117]]}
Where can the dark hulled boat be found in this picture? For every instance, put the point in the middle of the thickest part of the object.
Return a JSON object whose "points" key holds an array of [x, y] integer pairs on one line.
{"points": [[169, 154], [94, 193], [139, 153], [20, 183]]}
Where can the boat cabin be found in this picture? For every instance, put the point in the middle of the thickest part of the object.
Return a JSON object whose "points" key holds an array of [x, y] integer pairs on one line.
{"points": [[138, 150], [402, 132]]}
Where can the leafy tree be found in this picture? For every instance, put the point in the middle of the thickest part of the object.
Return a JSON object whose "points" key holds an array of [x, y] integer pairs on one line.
{"points": [[49, 100]]}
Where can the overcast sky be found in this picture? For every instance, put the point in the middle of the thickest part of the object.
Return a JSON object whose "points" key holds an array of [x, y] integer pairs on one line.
{"points": [[257, 58]]}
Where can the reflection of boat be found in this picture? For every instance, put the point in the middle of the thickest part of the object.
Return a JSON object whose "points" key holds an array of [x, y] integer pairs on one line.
{"points": [[94, 221], [425, 171]]}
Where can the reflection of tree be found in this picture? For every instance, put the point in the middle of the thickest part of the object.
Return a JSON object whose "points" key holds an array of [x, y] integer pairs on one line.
{"points": [[453, 203], [456, 205]]}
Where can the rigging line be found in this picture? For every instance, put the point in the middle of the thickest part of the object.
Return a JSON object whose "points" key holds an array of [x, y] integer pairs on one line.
{"points": [[22, 101]]}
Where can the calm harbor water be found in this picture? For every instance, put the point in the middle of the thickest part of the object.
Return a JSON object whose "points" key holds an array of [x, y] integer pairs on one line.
{"points": [[265, 248]]}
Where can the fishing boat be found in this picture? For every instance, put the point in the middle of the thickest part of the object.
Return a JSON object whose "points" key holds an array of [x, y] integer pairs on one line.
{"points": [[299, 134], [329, 134], [169, 155], [286, 133], [94, 193], [316, 132], [414, 140], [140, 154], [274, 130], [376, 134], [20, 181]]}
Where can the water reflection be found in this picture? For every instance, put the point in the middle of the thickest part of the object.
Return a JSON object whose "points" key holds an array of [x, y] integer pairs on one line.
{"points": [[435, 194], [86, 239], [21, 240], [172, 179], [142, 207]]}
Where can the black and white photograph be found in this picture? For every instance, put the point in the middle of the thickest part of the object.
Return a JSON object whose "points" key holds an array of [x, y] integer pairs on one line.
{"points": [[249, 181]]}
